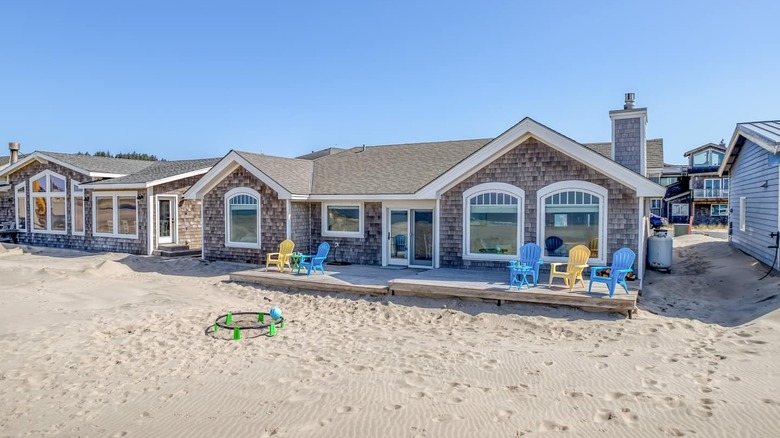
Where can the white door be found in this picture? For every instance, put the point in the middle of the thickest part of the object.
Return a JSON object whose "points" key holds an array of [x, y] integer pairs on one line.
{"points": [[165, 220], [398, 237]]}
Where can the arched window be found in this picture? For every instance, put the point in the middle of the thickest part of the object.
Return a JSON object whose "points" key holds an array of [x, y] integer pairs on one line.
{"points": [[242, 218], [493, 219], [47, 202], [572, 213]]}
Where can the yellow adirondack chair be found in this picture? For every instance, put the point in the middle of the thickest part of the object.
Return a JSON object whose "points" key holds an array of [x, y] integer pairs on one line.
{"points": [[281, 258], [578, 261]]}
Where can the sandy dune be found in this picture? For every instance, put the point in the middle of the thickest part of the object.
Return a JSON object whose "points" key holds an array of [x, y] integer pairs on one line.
{"points": [[117, 345]]}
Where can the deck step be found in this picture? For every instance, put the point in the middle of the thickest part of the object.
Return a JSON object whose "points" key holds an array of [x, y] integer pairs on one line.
{"points": [[176, 251]]}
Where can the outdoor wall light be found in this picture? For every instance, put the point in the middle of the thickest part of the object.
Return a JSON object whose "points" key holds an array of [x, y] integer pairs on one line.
{"points": [[765, 184], [140, 196]]}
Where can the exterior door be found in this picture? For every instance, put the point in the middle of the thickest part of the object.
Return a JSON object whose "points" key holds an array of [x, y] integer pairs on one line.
{"points": [[421, 249], [165, 220], [398, 237]]}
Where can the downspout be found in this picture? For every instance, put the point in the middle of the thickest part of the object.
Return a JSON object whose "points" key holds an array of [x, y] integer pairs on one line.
{"points": [[641, 258], [436, 232], [150, 217], [289, 219]]}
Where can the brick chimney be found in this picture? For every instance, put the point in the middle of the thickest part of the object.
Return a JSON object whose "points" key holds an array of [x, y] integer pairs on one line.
{"points": [[14, 148], [629, 135]]}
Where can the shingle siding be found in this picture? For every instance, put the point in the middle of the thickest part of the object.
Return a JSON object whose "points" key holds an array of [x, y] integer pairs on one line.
{"points": [[532, 166], [749, 172], [273, 226], [366, 250], [190, 229], [301, 229], [628, 148], [87, 242]]}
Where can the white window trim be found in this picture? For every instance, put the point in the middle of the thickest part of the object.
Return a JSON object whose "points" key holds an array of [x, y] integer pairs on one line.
{"points": [[47, 196], [174, 212], [348, 234], [115, 211], [687, 207], [719, 215], [742, 210], [17, 189], [73, 231], [660, 204], [580, 186], [492, 187], [242, 191]]}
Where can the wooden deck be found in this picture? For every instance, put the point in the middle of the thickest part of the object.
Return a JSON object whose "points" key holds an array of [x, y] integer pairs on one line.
{"points": [[444, 283]]}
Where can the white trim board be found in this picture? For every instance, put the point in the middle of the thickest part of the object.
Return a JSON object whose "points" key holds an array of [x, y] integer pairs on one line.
{"points": [[45, 159], [225, 167], [530, 128], [144, 185]]}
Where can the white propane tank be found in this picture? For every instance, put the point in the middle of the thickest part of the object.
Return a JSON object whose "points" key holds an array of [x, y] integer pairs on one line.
{"points": [[659, 251]]}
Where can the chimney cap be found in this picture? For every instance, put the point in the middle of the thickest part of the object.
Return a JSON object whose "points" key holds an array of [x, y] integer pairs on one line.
{"points": [[629, 101], [14, 146]]}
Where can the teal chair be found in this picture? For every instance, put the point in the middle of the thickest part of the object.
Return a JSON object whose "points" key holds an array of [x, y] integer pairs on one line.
{"points": [[314, 262], [622, 261], [528, 264]]}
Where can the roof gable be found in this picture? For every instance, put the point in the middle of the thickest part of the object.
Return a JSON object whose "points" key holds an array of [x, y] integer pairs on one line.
{"points": [[764, 134], [98, 167], [530, 128], [158, 172]]}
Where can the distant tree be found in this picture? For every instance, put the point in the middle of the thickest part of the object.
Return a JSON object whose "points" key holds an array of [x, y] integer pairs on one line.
{"points": [[83, 153], [128, 155]]}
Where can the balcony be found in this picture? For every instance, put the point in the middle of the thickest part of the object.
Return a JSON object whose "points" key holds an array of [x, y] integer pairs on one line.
{"points": [[710, 193]]}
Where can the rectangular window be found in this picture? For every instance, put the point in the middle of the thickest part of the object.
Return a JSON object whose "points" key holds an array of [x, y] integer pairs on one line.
{"points": [[77, 208], [742, 209], [655, 204], [58, 214], [679, 209], [343, 220], [719, 210], [116, 215], [21, 208], [40, 218], [493, 228]]}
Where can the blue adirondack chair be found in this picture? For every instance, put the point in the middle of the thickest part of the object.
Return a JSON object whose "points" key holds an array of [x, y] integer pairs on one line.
{"points": [[622, 261], [553, 244], [399, 243], [314, 262], [527, 264]]}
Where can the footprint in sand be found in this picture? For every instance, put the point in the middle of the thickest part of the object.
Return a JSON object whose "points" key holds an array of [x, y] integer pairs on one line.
{"points": [[603, 415], [393, 407], [441, 418], [612, 396], [551, 426], [502, 415], [631, 418], [345, 409]]}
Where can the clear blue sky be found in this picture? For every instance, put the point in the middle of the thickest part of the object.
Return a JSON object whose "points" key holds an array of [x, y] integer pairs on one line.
{"points": [[196, 79]]}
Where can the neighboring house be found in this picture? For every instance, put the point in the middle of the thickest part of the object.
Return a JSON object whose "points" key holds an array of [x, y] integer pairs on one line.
{"points": [[459, 204], [753, 162], [102, 204], [671, 177], [700, 192]]}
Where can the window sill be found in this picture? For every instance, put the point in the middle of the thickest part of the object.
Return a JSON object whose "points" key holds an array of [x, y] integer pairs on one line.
{"points": [[117, 236], [242, 245], [347, 234], [48, 232], [490, 257]]}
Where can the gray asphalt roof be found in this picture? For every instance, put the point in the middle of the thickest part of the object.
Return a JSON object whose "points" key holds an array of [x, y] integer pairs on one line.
{"points": [[293, 174], [101, 164], [321, 153], [768, 131], [390, 169], [4, 160], [158, 170], [655, 151]]}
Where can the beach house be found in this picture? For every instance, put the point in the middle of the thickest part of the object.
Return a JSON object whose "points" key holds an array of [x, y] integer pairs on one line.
{"points": [[462, 204], [99, 203], [753, 162]]}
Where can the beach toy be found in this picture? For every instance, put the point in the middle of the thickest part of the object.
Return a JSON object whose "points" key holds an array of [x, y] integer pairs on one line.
{"points": [[216, 327], [281, 324], [236, 333], [272, 330], [260, 317], [275, 313], [229, 318]]}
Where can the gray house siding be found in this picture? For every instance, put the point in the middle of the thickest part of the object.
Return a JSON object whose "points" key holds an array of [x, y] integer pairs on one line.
{"points": [[532, 166], [366, 250], [628, 150], [189, 229], [273, 226], [301, 228], [87, 242], [749, 172]]}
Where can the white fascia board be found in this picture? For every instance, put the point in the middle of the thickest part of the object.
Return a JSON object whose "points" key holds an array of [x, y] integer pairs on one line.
{"points": [[229, 163], [105, 175], [177, 177], [35, 156], [131, 186], [529, 128], [729, 150], [367, 198]]}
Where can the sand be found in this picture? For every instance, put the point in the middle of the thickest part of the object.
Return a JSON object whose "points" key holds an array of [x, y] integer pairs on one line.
{"points": [[117, 345]]}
